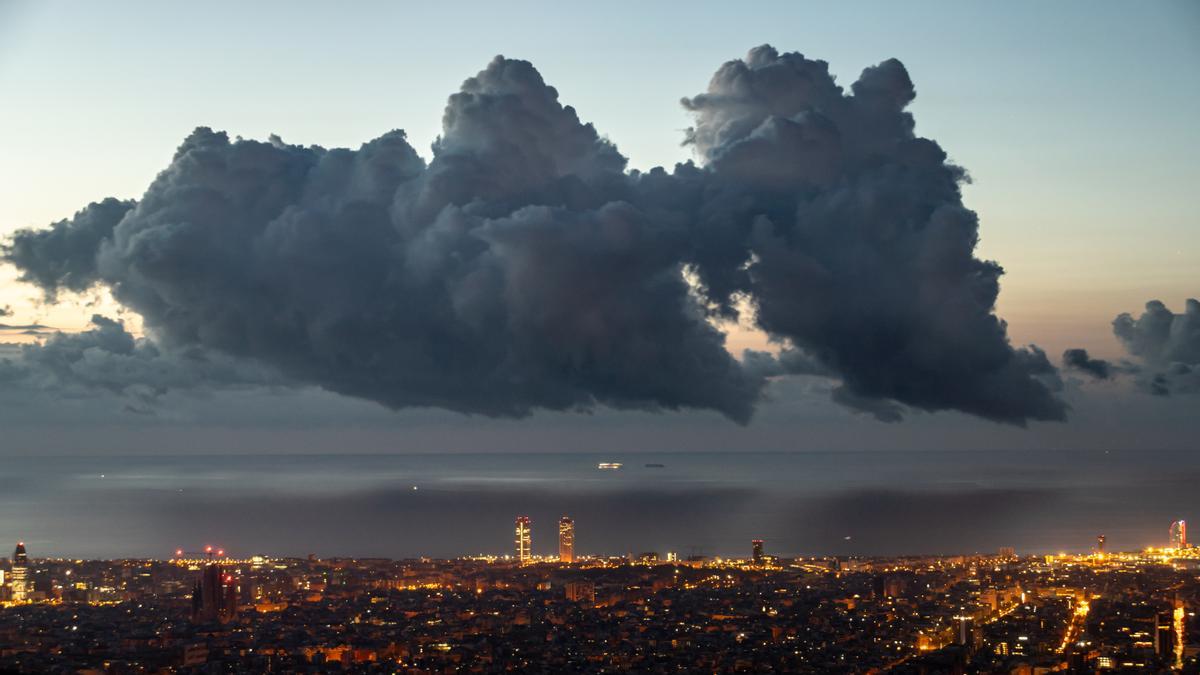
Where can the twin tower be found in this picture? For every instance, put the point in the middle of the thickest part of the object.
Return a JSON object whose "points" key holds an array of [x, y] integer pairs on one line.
{"points": [[566, 539]]}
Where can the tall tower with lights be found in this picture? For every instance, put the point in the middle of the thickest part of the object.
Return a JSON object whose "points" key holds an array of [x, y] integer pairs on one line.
{"points": [[523, 538], [20, 574], [756, 551], [1177, 535], [214, 597], [566, 539]]}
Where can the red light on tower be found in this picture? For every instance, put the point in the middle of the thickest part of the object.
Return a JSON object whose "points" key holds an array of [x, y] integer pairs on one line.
{"points": [[178, 552], [221, 552], [208, 549]]}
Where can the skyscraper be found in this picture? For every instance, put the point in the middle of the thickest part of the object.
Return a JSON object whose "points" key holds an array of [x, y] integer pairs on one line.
{"points": [[523, 538], [214, 597], [1177, 535], [966, 632], [1164, 635], [20, 574], [756, 548], [1100, 539], [566, 539]]}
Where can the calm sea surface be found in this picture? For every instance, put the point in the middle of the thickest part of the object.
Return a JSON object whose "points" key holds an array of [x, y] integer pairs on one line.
{"points": [[696, 503]]}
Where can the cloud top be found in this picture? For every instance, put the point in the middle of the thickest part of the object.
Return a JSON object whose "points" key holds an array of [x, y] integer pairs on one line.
{"points": [[523, 267]]}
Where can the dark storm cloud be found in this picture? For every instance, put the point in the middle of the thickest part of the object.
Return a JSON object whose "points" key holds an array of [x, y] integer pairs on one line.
{"points": [[1164, 350], [524, 268], [786, 362], [108, 358], [63, 257], [850, 234], [1079, 359], [882, 409]]}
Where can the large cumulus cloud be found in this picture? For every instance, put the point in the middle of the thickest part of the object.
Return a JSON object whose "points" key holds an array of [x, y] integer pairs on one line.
{"points": [[849, 233], [524, 267]]}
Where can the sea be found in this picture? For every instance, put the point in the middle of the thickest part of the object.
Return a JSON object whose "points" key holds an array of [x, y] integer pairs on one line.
{"points": [[689, 503]]}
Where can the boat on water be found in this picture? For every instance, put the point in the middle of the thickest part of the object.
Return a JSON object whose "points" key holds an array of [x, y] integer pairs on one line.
{"points": [[655, 465], [610, 466]]}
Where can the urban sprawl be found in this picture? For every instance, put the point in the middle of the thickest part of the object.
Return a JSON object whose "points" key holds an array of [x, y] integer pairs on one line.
{"points": [[209, 612]]}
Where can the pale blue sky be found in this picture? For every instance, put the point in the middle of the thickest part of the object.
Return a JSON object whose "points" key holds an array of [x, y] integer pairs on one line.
{"points": [[1077, 120]]}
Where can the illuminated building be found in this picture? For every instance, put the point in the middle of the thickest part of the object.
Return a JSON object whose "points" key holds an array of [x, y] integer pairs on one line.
{"points": [[1100, 539], [756, 548], [581, 591], [889, 586], [1164, 635], [20, 574], [523, 538], [966, 631], [1177, 535], [214, 597], [566, 539]]}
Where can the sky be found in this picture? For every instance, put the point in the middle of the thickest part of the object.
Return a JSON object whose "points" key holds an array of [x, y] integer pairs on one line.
{"points": [[1075, 122]]}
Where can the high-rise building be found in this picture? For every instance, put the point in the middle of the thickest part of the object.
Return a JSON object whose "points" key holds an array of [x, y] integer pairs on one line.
{"points": [[1100, 540], [214, 597], [1164, 635], [523, 538], [966, 631], [20, 574], [1178, 534], [756, 548], [566, 539]]}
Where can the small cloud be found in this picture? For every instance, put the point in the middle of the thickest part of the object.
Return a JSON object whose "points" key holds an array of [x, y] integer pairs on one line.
{"points": [[1078, 359]]}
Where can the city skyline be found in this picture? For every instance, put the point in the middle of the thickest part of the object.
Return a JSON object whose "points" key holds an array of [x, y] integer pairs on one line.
{"points": [[211, 556], [599, 337], [978, 613]]}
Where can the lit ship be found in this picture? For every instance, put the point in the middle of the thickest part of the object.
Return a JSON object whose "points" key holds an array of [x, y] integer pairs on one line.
{"points": [[611, 466]]}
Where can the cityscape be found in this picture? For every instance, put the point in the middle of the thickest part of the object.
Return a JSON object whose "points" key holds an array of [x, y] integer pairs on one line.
{"points": [[414, 338], [211, 611]]}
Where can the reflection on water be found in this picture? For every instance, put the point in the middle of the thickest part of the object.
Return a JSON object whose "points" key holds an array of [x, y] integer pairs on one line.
{"points": [[813, 502]]}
